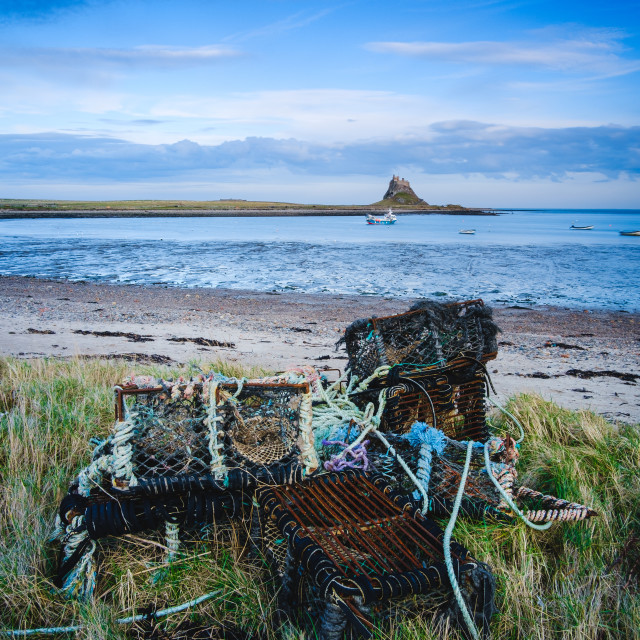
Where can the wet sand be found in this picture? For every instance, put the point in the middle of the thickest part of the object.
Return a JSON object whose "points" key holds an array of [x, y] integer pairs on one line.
{"points": [[579, 359]]}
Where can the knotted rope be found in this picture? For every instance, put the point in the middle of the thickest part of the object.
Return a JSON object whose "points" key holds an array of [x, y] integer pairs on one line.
{"points": [[358, 455]]}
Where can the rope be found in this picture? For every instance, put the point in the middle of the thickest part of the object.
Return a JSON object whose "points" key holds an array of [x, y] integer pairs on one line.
{"points": [[495, 403], [307, 450], [405, 466], [80, 582], [430, 440], [358, 454], [16, 633], [212, 421], [446, 542], [507, 498], [337, 410], [172, 531], [378, 373], [123, 449]]}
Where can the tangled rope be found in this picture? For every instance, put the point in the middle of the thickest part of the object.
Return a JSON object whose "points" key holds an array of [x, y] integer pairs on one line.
{"points": [[337, 411], [358, 455]]}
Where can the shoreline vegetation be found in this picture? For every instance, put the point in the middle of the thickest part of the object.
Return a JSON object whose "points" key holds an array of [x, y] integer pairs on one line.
{"points": [[10, 208], [576, 581]]}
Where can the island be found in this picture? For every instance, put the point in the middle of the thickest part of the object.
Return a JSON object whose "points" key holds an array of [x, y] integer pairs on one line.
{"points": [[399, 195]]}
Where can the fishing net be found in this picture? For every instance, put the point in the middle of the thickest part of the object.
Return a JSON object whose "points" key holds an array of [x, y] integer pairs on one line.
{"points": [[429, 334], [264, 429], [345, 543]]}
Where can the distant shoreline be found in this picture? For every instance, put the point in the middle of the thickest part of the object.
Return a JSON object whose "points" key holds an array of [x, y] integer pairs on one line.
{"points": [[230, 213]]}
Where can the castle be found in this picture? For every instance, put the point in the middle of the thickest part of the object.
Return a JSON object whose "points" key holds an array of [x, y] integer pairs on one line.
{"points": [[401, 192]]}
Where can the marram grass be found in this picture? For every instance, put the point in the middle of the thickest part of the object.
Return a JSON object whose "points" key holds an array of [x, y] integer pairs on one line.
{"points": [[574, 581]]}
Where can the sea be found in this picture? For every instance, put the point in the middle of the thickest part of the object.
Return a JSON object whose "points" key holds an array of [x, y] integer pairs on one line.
{"points": [[523, 258]]}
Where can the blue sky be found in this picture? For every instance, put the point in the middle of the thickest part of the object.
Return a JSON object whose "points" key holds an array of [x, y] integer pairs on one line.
{"points": [[501, 103]]}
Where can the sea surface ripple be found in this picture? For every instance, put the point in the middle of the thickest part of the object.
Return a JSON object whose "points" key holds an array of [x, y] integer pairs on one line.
{"points": [[522, 258]]}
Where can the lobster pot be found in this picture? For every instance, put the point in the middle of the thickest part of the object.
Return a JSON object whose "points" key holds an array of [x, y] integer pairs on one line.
{"points": [[346, 545], [451, 398], [429, 334], [182, 456], [264, 431]]}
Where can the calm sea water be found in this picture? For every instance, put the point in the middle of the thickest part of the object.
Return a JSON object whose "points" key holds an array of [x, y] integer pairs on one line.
{"points": [[524, 257]]}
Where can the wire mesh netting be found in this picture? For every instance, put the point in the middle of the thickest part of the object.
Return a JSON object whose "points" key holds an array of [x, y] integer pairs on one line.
{"points": [[266, 428], [439, 466], [430, 334], [171, 435]]}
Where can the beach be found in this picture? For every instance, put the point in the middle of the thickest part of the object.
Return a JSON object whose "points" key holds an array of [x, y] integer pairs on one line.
{"points": [[580, 359]]}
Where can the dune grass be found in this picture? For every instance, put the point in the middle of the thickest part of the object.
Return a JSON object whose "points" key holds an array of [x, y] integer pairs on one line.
{"points": [[577, 581]]}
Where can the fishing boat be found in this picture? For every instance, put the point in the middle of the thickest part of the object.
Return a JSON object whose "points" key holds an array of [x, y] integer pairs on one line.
{"points": [[580, 228], [387, 218], [630, 233], [468, 232]]}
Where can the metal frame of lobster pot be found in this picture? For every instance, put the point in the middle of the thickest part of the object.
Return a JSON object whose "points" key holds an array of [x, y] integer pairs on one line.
{"points": [[347, 547]]}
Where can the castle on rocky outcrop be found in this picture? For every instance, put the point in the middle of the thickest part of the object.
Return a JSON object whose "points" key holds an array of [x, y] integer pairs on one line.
{"points": [[401, 192]]}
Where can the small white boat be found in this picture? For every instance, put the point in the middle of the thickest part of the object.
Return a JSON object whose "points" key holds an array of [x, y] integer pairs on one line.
{"points": [[387, 218], [630, 233], [579, 228], [468, 232]]}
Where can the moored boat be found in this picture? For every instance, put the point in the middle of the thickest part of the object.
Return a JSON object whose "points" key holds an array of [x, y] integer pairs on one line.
{"points": [[581, 228], [469, 232], [387, 218], [630, 233]]}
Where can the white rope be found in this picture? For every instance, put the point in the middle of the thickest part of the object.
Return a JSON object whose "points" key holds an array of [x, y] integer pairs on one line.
{"points": [[216, 445], [80, 582], [507, 498], [122, 458], [495, 403], [405, 466], [172, 538], [446, 542], [307, 449], [129, 619]]}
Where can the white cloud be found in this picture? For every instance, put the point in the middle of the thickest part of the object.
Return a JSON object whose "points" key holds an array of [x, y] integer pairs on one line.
{"points": [[600, 53], [462, 148], [77, 62]]}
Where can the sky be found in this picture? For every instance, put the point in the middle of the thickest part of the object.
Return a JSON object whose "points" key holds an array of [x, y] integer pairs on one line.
{"points": [[487, 103]]}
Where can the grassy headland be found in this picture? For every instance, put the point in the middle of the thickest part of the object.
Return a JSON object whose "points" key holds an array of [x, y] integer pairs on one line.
{"points": [[14, 208], [574, 581]]}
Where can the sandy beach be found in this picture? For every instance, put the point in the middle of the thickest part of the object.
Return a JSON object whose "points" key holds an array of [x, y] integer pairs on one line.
{"points": [[580, 359]]}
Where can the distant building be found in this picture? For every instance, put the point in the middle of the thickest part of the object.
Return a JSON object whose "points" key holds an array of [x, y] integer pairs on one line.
{"points": [[401, 192]]}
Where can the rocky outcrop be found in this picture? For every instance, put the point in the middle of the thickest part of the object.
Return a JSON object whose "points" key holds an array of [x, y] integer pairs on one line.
{"points": [[400, 191]]}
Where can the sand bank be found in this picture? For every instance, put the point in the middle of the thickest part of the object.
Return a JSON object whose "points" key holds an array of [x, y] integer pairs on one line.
{"points": [[579, 359]]}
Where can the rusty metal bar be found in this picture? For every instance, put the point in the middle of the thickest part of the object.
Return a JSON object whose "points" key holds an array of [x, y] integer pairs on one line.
{"points": [[346, 523], [328, 530], [384, 536], [120, 393], [353, 528]]}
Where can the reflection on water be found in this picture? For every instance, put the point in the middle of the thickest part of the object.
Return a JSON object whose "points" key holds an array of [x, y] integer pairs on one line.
{"points": [[522, 258]]}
